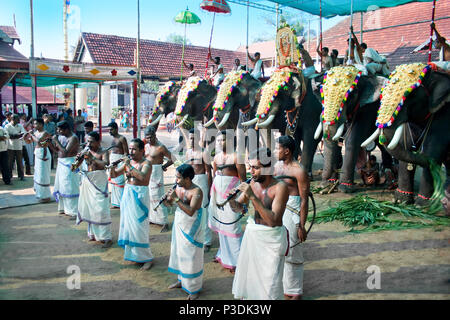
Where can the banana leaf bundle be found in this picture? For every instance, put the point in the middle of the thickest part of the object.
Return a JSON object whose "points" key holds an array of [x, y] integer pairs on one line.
{"points": [[363, 213]]}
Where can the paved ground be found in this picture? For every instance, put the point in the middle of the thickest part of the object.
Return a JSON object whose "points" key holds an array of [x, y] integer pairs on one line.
{"points": [[37, 247]]}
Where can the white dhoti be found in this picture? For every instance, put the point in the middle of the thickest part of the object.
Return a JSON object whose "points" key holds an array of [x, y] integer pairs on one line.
{"points": [[156, 189], [67, 187], [93, 205], [134, 230], [445, 65], [293, 265], [186, 250], [117, 183], [42, 171], [221, 220], [202, 181], [259, 272]]}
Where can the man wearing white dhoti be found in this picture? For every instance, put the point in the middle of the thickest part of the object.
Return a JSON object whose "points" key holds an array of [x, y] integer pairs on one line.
{"points": [[199, 161], [93, 203], [134, 206], [222, 219], [42, 163], [294, 217], [67, 182], [186, 250], [259, 271], [119, 149], [444, 54], [155, 152]]}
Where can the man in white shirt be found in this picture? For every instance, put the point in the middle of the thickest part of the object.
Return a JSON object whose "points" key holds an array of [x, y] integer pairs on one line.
{"points": [[219, 75], [15, 143], [258, 69], [4, 163]]}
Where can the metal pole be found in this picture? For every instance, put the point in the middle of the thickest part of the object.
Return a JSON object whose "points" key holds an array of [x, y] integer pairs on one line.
{"points": [[431, 32], [361, 31], [31, 66], [350, 33], [182, 52], [276, 31], [66, 42], [309, 34], [99, 110], [246, 57], [138, 94], [321, 44]]}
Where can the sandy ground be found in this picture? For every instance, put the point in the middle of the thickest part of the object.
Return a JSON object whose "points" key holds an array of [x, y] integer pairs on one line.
{"points": [[37, 247]]}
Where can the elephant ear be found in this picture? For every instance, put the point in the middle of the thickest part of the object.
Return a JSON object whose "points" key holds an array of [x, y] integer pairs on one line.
{"points": [[440, 91], [371, 89]]}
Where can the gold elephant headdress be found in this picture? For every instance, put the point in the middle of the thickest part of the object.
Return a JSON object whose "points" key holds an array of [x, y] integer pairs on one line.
{"points": [[231, 81], [189, 87]]}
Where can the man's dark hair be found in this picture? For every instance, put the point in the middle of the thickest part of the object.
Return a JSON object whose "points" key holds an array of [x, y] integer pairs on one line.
{"points": [[69, 111], [140, 143], [191, 66], [326, 49], [8, 113], [217, 59], [89, 124], [39, 120], [186, 171], [113, 125], [287, 142], [363, 45], [372, 157], [264, 155], [192, 130], [64, 125], [335, 52], [150, 130], [95, 135]]}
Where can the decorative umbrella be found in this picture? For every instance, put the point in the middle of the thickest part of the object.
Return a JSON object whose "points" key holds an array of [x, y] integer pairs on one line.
{"points": [[186, 17], [216, 6]]}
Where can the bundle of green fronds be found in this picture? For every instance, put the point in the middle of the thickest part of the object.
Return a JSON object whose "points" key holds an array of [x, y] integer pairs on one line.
{"points": [[363, 214], [438, 183]]}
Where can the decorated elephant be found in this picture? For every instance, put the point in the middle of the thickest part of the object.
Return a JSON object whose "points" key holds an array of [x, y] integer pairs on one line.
{"points": [[288, 104], [350, 102], [412, 121], [165, 102]]}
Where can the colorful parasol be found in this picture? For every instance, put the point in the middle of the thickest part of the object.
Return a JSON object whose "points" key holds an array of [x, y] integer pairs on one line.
{"points": [[186, 17], [215, 6]]}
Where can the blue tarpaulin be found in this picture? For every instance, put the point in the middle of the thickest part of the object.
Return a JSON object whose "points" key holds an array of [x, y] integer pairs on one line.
{"points": [[331, 8]]}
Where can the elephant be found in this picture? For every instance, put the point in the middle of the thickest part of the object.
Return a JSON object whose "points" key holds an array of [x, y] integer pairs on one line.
{"points": [[415, 126], [288, 104], [165, 102], [355, 100], [194, 104]]}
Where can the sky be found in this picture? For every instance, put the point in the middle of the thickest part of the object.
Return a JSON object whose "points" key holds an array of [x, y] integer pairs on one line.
{"points": [[119, 17]]}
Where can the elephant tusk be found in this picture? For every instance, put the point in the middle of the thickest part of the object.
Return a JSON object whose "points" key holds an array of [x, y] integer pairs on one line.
{"points": [[396, 139], [182, 121], [267, 122], [224, 120], [249, 123], [209, 123], [371, 138], [155, 123], [318, 130], [339, 132]]}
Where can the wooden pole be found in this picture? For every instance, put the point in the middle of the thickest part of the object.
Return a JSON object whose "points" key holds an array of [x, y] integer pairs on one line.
{"points": [[138, 87], [99, 108], [135, 124], [14, 95], [430, 47], [31, 65]]}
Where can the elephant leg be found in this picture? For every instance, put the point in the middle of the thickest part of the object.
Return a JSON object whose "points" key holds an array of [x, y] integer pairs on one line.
{"points": [[405, 191], [308, 152], [331, 159]]}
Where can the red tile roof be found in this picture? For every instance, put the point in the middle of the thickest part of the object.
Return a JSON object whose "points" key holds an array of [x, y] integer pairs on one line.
{"points": [[23, 96], [11, 32], [157, 58], [384, 38]]}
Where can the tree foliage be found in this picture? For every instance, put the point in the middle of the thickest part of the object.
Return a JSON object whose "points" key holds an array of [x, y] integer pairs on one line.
{"points": [[176, 38]]}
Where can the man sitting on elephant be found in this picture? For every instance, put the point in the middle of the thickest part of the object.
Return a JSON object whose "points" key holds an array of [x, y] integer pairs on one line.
{"points": [[442, 44]]}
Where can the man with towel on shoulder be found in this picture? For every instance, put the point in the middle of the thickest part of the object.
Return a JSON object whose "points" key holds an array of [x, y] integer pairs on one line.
{"points": [[259, 270], [67, 183], [93, 204], [155, 152], [134, 206], [119, 150]]}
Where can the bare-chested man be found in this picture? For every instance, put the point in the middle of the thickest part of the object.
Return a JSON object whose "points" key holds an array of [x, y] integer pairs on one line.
{"points": [[135, 206], [294, 218], [119, 150], [155, 152], [199, 160], [93, 204], [265, 242], [67, 183]]}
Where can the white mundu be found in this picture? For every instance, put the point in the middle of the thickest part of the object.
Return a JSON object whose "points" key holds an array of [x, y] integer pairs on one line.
{"points": [[259, 271], [201, 180], [67, 187], [156, 189], [42, 172], [117, 183], [293, 265], [134, 230], [186, 251], [93, 205]]}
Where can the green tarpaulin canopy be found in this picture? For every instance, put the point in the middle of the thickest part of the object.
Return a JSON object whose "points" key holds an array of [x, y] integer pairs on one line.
{"points": [[331, 8], [25, 81]]}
